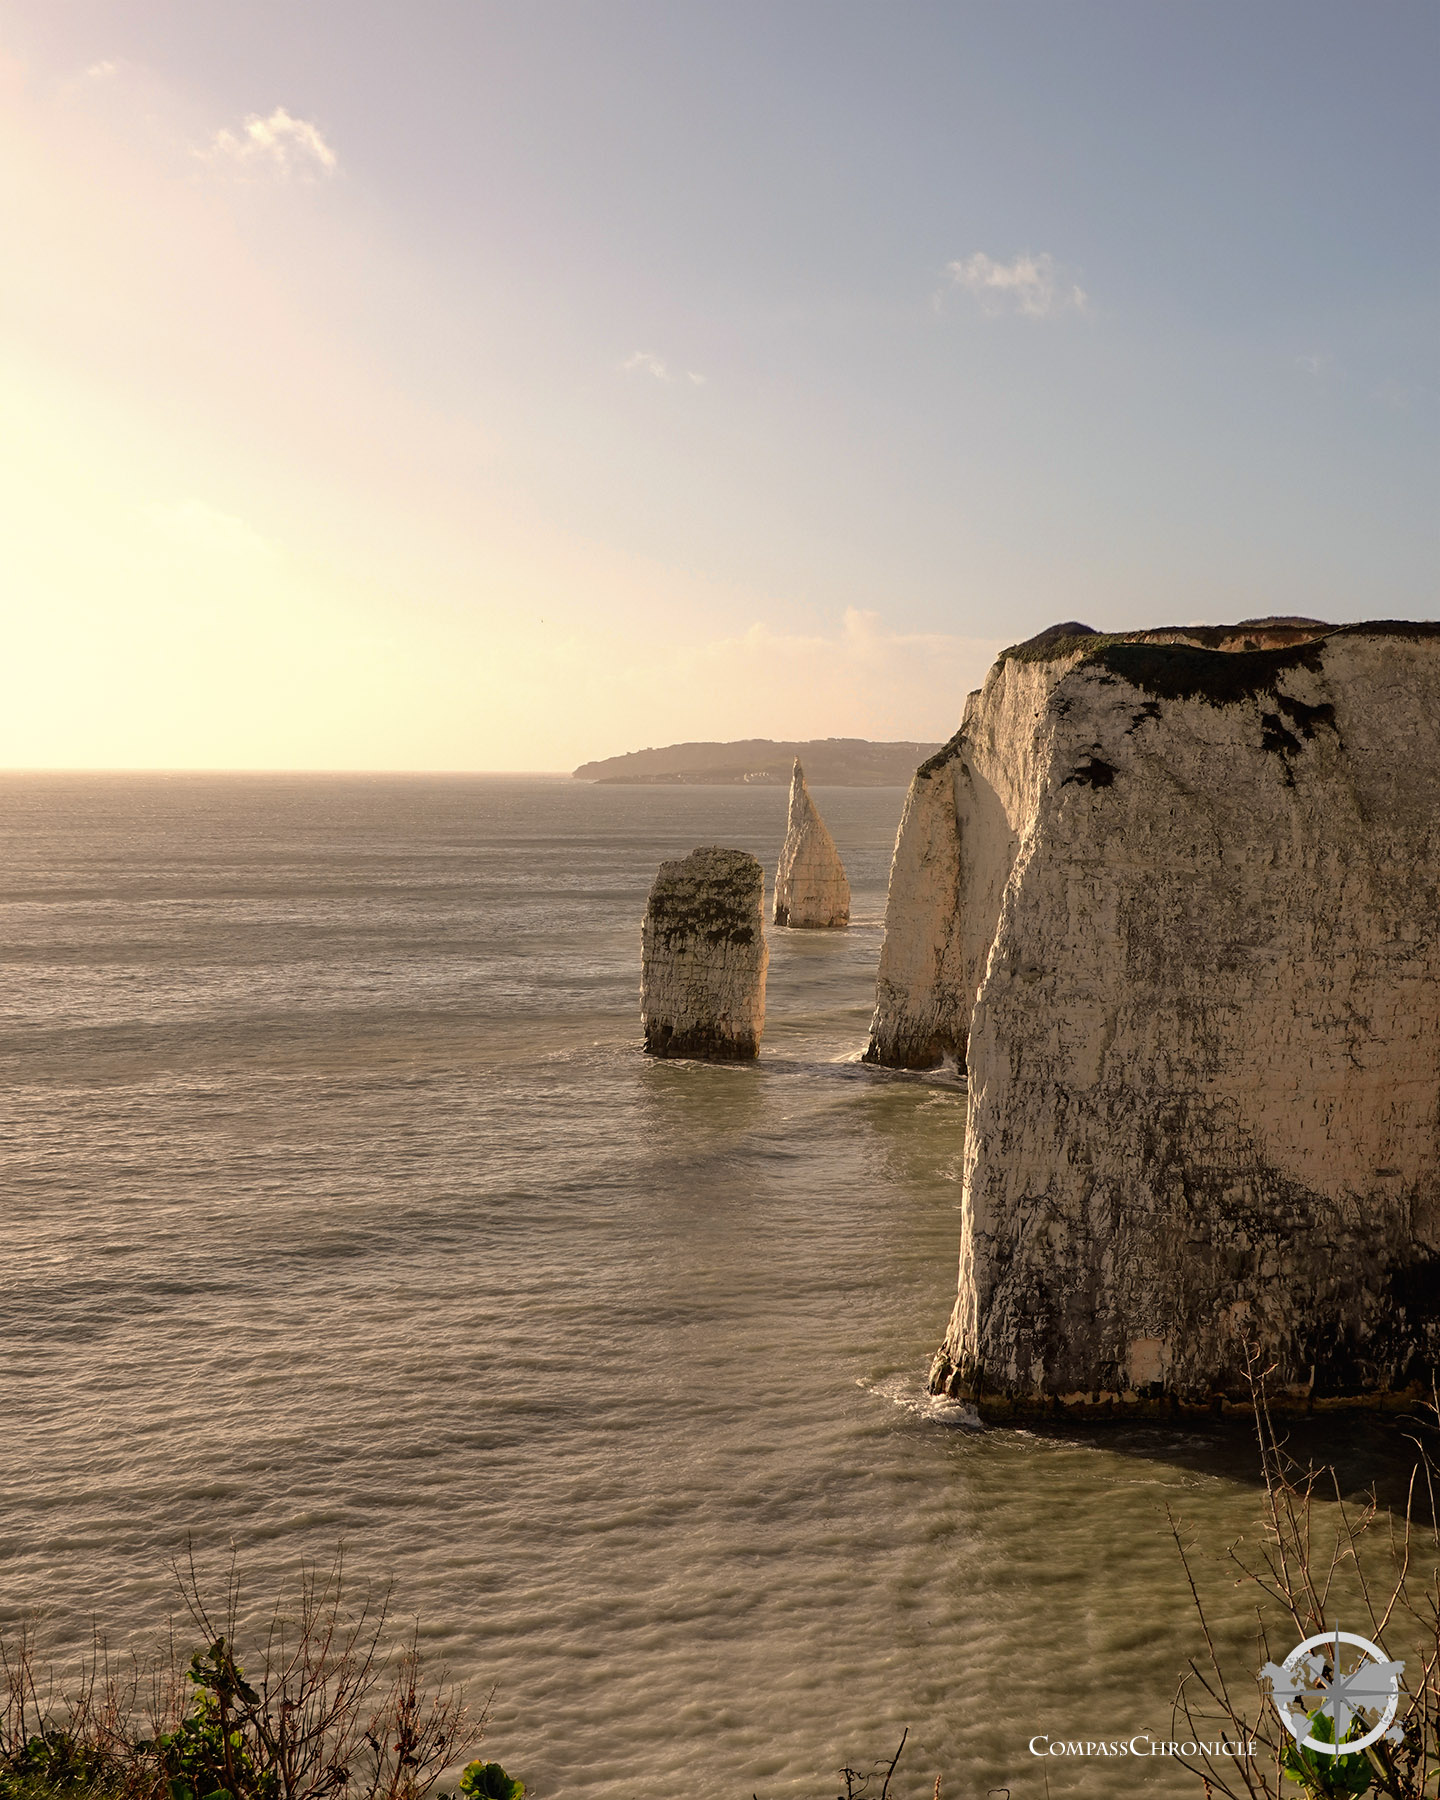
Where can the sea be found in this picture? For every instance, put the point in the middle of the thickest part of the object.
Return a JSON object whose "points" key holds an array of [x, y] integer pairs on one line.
{"points": [[341, 1211]]}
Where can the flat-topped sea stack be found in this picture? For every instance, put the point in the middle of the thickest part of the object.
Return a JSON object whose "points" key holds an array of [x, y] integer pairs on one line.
{"points": [[702, 990], [811, 889], [1171, 897]]}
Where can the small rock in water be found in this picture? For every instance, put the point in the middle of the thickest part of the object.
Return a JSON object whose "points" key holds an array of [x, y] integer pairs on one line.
{"points": [[702, 989], [810, 884]]}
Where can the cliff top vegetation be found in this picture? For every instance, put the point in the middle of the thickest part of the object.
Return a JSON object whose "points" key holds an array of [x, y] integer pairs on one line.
{"points": [[1223, 664]]}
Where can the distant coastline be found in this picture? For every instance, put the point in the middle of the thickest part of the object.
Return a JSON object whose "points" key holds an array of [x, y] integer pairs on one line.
{"points": [[763, 762]]}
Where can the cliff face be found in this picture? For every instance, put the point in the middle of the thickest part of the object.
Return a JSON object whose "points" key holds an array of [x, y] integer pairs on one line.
{"points": [[704, 957], [811, 888], [1173, 898]]}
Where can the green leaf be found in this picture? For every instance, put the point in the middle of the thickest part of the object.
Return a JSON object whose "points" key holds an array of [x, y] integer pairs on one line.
{"points": [[488, 1781], [1327, 1777]]}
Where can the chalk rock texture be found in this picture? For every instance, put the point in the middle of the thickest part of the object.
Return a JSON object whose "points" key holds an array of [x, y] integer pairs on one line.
{"points": [[810, 885], [1174, 899], [704, 957]]}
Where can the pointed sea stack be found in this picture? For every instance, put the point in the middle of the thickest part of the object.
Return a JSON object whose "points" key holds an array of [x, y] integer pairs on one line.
{"points": [[810, 885], [702, 990]]}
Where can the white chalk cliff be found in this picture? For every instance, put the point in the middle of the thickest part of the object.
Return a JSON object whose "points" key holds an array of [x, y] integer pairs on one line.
{"points": [[1173, 898], [704, 957], [810, 886]]}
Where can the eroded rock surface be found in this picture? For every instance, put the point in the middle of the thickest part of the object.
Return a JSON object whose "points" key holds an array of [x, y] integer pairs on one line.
{"points": [[704, 957], [811, 888], [1174, 898]]}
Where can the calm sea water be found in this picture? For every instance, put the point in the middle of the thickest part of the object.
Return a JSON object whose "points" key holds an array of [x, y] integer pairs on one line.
{"points": [[340, 1205]]}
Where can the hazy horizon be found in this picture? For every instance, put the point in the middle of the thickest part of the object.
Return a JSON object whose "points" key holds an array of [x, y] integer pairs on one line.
{"points": [[495, 388]]}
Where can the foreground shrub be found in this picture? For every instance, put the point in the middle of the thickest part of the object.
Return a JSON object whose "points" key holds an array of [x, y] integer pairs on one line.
{"points": [[1324, 1563], [332, 1708]]}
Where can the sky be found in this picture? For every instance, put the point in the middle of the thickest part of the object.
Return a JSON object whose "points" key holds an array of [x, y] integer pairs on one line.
{"points": [[463, 385]]}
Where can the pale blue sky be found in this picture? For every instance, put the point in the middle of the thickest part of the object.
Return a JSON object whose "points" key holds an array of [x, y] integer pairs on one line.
{"points": [[732, 320]]}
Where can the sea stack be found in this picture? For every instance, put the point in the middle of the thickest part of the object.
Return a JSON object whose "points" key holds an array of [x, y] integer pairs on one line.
{"points": [[1174, 899], [702, 989], [810, 885]]}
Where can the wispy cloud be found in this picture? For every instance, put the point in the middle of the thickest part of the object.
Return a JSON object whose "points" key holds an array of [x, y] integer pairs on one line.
{"points": [[280, 147], [196, 525], [645, 362], [1399, 396], [1035, 286], [865, 679], [102, 71]]}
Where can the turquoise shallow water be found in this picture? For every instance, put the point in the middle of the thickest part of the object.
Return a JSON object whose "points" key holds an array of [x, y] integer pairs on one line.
{"points": [[341, 1205]]}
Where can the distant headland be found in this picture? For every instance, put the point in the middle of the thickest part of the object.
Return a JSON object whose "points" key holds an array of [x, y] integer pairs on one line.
{"points": [[761, 762]]}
